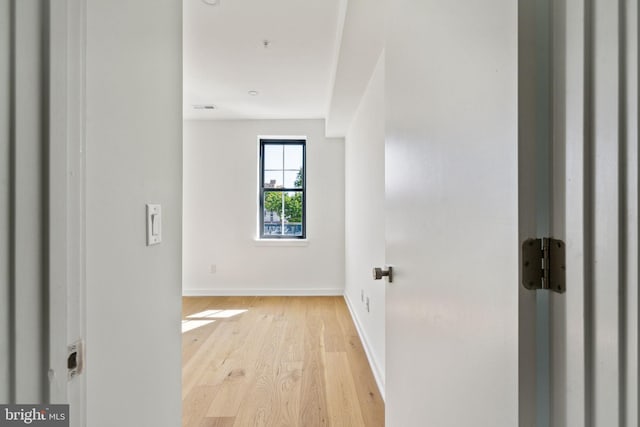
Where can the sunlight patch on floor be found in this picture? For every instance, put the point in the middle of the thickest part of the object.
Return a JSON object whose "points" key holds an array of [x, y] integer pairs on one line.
{"points": [[207, 317], [189, 325], [215, 314]]}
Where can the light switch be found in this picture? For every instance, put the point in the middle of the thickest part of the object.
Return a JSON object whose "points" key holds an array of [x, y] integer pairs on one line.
{"points": [[154, 224]]}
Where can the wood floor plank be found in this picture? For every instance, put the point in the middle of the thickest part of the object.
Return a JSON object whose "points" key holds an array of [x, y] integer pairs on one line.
{"points": [[241, 376], [217, 422], [333, 337], [195, 367], [313, 399], [369, 397], [260, 410], [344, 408], [293, 346], [285, 361], [195, 404], [287, 394]]}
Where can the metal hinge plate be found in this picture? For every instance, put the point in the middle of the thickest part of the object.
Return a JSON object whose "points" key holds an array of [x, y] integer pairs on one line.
{"points": [[543, 264]]}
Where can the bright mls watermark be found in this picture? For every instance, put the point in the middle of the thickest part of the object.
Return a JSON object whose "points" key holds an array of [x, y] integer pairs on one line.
{"points": [[34, 415]]}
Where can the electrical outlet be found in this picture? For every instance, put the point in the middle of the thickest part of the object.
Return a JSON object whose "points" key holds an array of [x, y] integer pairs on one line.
{"points": [[367, 304], [212, 269]]}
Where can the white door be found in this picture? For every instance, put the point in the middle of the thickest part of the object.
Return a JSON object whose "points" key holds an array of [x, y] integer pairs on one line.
{"points": [[452, 213], [487, 145]]}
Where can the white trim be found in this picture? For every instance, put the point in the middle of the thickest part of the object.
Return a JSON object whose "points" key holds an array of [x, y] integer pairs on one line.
{"points": [[375, 368], [60, 228], [281, 242], [284, 137], [75, 245], [310, 292]]}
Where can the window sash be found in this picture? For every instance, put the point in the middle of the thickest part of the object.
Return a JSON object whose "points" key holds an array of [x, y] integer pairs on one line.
{"points": [[264, 190]]}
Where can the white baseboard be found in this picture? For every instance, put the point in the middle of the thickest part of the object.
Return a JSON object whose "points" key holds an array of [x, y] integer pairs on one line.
{"points": [[377, 372], [229, 292]]}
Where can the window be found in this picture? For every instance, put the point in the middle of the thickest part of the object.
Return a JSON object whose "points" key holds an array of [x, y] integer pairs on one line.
{"points": [[282, 189]]}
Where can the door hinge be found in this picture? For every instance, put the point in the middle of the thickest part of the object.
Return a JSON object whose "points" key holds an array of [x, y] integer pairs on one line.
{"points": [[543, 264]]}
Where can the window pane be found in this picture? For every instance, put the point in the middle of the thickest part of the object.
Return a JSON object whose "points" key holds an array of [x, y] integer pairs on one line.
{"points": [[293, 179], [282, 168], [293, 213], [293, 157], [273, 179], [273, 156], [273, 201]]}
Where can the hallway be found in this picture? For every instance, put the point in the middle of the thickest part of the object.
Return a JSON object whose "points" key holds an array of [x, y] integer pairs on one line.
{"points": [[286, 361]]}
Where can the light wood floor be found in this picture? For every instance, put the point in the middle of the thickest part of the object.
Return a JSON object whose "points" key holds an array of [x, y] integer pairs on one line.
{"points": [[285, 361]]}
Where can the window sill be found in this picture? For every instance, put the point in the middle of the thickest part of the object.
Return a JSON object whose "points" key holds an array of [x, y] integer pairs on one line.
{"points": [[281, 242]]}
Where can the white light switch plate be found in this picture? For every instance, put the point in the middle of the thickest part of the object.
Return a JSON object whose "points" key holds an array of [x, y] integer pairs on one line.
{"points": [[154, 224]]}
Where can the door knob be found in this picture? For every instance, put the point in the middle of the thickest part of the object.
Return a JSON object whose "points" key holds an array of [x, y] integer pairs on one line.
{"points": [[379, 273]]}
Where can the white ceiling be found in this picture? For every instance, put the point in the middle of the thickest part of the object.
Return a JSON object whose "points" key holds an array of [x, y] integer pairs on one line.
{"points": [[224, 57]]}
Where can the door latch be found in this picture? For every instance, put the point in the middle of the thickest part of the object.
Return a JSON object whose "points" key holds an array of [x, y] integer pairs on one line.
{"points": [[75, 359]]}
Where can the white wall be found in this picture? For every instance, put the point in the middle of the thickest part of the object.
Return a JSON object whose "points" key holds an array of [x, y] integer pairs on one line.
{"points": [[221, 208], [364, 220], [133, 157]]}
